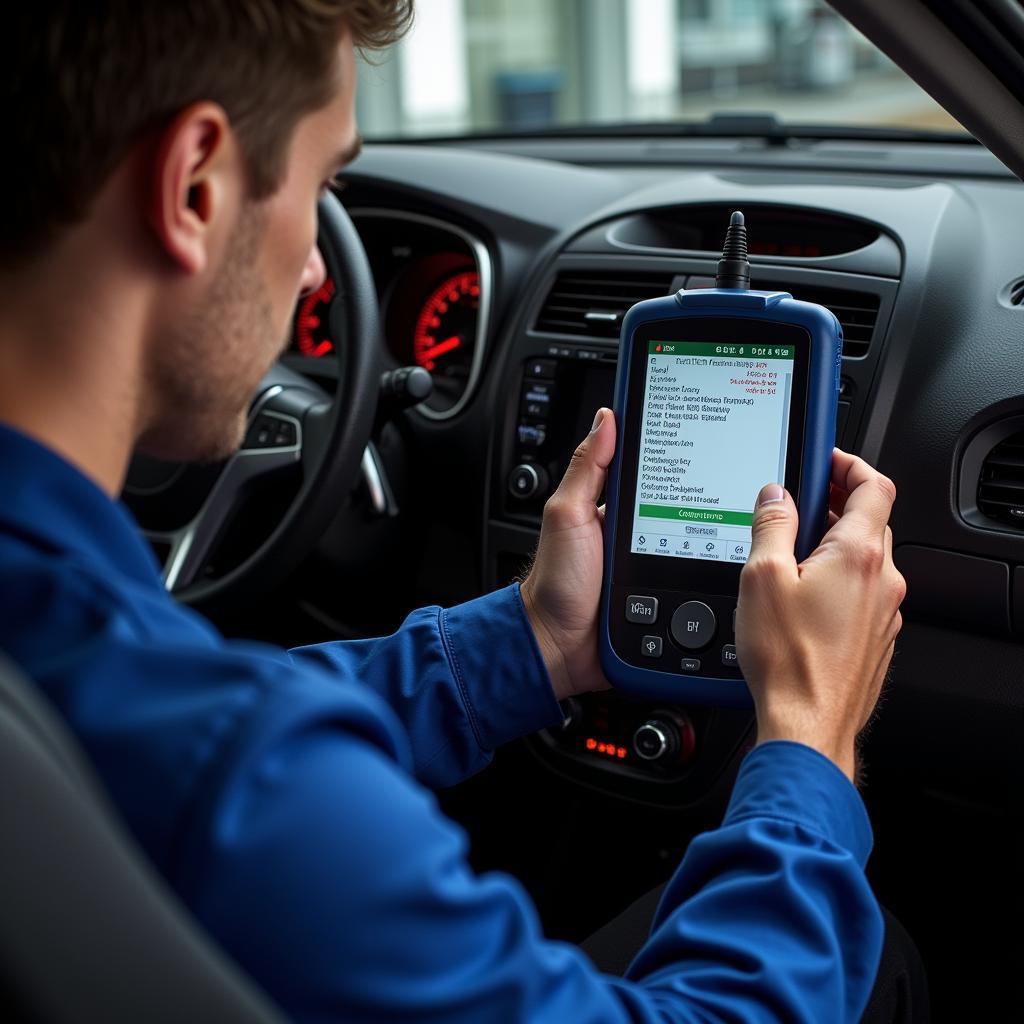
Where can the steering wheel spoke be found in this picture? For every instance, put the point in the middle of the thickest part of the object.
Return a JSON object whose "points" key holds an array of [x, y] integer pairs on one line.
{"points": [[273, 442]]}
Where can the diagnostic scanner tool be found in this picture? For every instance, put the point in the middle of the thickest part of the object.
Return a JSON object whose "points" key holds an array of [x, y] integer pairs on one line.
{"points": [[718, 392]]}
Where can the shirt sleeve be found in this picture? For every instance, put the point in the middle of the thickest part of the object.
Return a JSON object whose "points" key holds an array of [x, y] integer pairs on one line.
{"points": [[336, 881], [462, 681], [770, 917]]}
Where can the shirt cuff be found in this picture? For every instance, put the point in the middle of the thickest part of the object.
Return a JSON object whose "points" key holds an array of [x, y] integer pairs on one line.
{"points": [[499, 667], [792, 782]]}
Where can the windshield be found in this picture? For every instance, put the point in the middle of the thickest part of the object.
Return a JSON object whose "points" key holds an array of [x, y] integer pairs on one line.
{"points": [[486, 66]]}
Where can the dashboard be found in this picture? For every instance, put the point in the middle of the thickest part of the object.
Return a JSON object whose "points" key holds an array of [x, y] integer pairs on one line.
{"points": [[528, 252], [505, 269]]}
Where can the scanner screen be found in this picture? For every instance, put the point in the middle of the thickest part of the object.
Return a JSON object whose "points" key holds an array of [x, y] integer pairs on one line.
{"points": [[714, 430]]}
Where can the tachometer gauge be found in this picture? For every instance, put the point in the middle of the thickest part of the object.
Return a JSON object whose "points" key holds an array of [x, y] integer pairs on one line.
{"points": [[311, 332], [445, 331]]}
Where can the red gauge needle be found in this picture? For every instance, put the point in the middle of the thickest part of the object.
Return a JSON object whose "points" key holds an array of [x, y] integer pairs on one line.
{"points": [[441, 347], [322, 349]]}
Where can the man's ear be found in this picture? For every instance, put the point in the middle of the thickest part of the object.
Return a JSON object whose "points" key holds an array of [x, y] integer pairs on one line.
{"points": [[194, 163]]}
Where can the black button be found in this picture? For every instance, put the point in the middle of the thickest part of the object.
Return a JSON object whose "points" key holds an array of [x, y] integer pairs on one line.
{"points": [[693, 625], [689, 665], [641, 609], [285, 435], [729, 656], [650, 647], [261, 432], [541, 368]]}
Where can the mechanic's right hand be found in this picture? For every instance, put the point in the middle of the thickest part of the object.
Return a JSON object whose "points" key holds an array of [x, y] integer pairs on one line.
{"points": [[815, 638]]}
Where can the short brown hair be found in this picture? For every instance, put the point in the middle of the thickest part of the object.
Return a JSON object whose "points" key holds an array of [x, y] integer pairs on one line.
{"points": [[86, 79]]}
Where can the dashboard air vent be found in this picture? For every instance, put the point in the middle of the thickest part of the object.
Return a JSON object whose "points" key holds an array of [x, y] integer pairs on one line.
{"points": [[592, 303], [1001, 484], [1015, 295], [856, 311]]}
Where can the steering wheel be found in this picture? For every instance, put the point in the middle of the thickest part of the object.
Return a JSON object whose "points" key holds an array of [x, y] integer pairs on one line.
{"points": [[292, 422]]}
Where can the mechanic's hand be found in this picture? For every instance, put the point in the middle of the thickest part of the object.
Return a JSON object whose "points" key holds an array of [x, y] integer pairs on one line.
{"points": [[562, 591], [815, 639]]}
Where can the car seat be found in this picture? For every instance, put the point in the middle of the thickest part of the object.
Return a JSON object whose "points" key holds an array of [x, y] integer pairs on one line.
{"points": [[88, 929]]}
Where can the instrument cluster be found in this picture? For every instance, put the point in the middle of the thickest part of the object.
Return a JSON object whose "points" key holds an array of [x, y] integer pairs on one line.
{"points": [[433, 284]]}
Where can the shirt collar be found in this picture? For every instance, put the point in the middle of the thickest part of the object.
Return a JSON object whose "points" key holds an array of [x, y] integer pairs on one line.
{"points": [[48, 500]]}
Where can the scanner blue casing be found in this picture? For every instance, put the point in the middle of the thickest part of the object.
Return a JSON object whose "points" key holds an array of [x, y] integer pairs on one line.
{"points": [[816, 469]]}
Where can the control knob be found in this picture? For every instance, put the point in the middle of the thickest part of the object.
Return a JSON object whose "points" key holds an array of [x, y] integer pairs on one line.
{"points": [[527, 481], [665, 738]]}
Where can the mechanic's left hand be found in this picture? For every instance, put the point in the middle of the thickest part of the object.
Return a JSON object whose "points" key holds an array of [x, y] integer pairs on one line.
{"points": [[562, 591]]}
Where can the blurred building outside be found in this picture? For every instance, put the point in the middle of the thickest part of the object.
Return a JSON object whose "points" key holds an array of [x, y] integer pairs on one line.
{"points": [[491, 65]]}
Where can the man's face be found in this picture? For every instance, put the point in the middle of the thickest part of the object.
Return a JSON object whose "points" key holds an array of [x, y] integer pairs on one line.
{"points": [[211, 360]]}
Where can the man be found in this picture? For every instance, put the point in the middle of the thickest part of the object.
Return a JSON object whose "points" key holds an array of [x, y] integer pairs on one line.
{"points": [[162, 185]]}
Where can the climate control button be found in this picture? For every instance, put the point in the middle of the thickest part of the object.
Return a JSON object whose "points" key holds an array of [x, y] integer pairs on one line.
{"points": [[654, 741], [666, 738]]}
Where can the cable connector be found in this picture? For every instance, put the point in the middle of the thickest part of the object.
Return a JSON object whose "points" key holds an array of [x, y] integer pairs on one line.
{"points": [[734, 267]]}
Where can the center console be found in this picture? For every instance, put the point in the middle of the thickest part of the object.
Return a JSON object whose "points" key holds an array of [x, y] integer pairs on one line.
{"points": [[559, 391]]}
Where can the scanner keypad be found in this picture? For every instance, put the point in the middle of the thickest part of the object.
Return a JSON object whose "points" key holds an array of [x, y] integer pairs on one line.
{"points": [[676, 632]]}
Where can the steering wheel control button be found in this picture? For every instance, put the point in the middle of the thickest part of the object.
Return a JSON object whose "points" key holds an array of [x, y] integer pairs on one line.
{"points": [[527, 481], [260, 433], [285, 435], [693, 625], [729, 656], [650, 647], [689, 665], [641, 609], [270, 432]]}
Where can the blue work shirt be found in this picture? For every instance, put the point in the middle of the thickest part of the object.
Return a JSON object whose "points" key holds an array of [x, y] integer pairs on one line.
{"points": [[286, 797]]}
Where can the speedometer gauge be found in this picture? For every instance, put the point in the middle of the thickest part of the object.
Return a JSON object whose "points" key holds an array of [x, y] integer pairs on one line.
{"points": [[311, 332], [446, 329]]}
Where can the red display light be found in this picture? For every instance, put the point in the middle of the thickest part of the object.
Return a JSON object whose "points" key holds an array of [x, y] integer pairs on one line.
{"points": [[311, 327], [603, 747], [441, 326]]}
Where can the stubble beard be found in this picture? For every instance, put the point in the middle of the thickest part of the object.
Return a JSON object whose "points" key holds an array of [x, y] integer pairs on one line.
{"points": [[204, 377]]}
